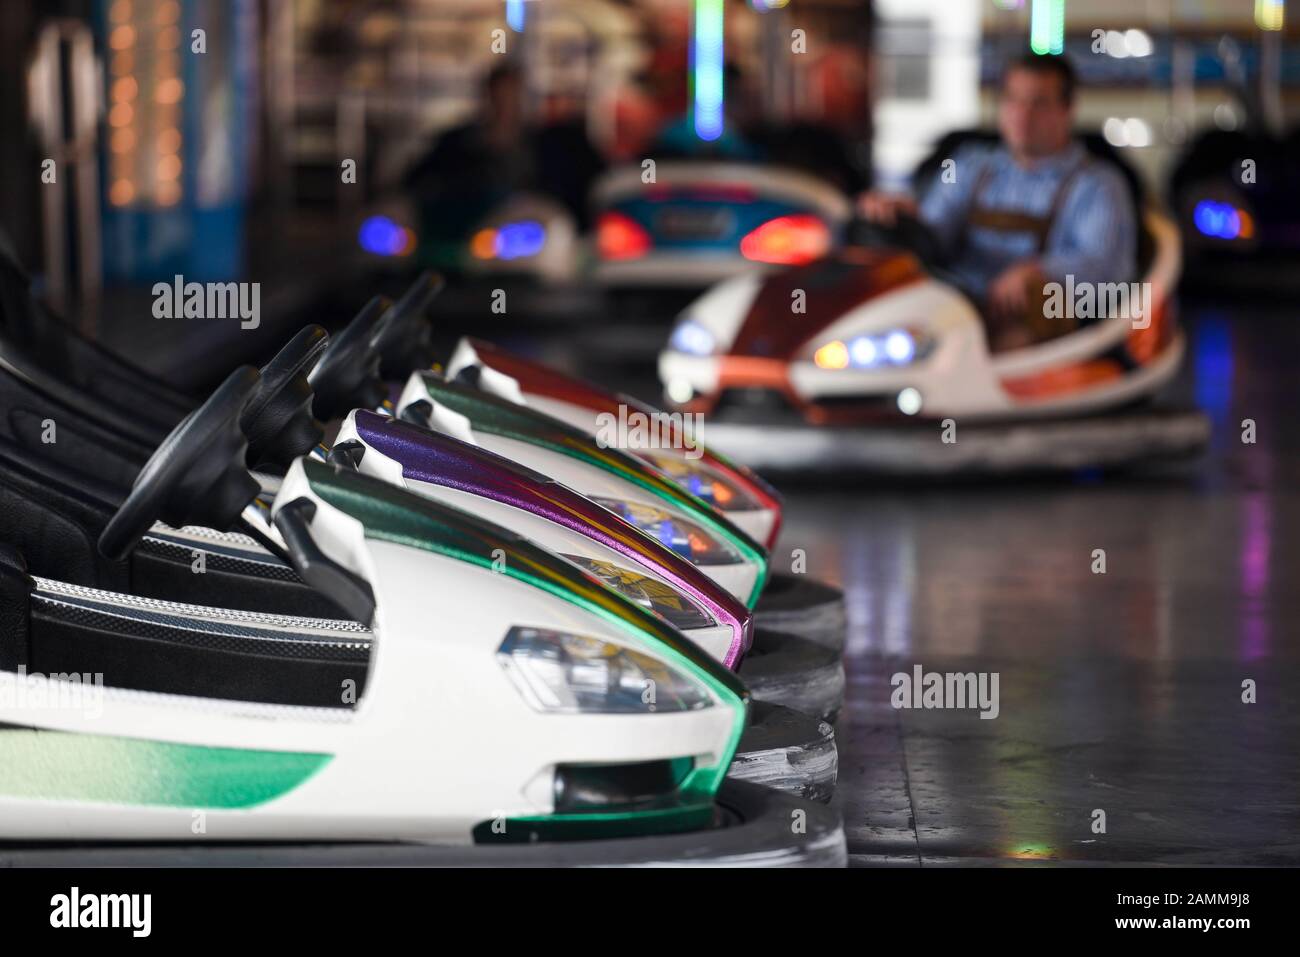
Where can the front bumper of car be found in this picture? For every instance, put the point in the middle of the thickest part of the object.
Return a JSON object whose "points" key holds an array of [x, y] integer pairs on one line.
{"points": [[674, 270], [956, 379]]}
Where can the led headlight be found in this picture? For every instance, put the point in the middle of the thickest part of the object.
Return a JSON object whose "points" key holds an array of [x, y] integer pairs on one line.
{"points": [[562, 673], [692, 338], [897, 347], [702, 483], [686, 538], [650, 593]]}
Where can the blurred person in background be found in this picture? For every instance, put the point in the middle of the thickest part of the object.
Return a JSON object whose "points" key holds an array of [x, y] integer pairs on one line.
{"points": [[474, 167], [737, 141], [1026, 211]]}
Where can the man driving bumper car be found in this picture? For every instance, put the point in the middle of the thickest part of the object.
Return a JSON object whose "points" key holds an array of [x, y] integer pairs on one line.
{"points": [[1029, 280], [1013, 216]]}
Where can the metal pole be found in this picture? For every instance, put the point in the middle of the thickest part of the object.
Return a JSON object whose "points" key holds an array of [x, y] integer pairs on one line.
{"points": [[66, 117]]}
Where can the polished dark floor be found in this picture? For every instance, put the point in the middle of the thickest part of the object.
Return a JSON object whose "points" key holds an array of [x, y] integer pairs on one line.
{"points": [[1119, 692]]}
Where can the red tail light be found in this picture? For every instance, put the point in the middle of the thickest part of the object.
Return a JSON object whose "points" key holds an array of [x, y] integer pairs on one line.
{"points": [[788, 240], [619, 236]]}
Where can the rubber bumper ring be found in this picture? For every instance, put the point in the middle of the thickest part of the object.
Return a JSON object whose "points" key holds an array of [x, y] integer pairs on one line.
{"points": [[786, 669], [800, 606], [752, 829], [789, 751]]}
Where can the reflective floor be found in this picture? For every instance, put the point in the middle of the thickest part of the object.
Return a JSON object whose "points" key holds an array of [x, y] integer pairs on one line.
{"points": [[1121, 733]]}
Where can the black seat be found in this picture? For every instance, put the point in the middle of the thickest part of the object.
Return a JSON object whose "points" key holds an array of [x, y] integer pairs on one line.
{"points": [[15, 596], [56, 515], [53, 629]]}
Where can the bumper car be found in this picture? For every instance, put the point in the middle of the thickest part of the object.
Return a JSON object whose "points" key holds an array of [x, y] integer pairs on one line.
{"points": [[889, 352], [641, 496], [556, 756], [701, 221], [241, 572], [528, 245], [1244, 230], [529, 236], [526, 236], [1230, 189], [680, 570], [788, 602]]}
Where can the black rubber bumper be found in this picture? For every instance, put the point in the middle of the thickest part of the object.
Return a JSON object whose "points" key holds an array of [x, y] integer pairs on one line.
{"points": [[792, 671], [1118, 440], [787, 750], [800, 606], [754, 826]]}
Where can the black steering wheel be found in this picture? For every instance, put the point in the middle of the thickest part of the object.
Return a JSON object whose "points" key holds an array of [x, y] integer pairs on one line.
{"points": [[278, 419], [908, 233], [347, 376], [403, 337], [197, 476]]}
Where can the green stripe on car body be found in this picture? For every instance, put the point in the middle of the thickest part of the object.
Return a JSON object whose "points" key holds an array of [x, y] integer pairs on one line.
{"points": [[111, 769]]}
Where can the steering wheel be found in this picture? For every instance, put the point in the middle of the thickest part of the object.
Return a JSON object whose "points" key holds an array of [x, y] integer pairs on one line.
{"points": [[404, 333], [908, 233], [197, 476], [278, 420], [347, 376]]}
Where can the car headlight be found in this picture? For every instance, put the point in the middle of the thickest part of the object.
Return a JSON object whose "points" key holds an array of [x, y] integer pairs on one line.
{"points": [[702, 483], [684, 537], [692, 338], [561, 673], [897, 347], [650, 593]]}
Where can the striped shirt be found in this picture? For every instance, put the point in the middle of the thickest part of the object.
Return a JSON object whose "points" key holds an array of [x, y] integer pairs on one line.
{"points": [[1094, 237]]}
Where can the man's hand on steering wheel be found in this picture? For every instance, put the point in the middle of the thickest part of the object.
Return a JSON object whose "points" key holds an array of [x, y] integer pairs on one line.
{"points": [[890, 221], [884, 208]]}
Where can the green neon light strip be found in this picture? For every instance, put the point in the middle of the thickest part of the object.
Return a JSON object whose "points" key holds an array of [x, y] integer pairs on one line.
{"points": [[69, 766], [394, 515], [1047, 27], [501, 417]]}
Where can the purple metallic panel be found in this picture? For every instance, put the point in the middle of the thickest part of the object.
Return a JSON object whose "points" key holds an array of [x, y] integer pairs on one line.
{"points": [[442, 460]]}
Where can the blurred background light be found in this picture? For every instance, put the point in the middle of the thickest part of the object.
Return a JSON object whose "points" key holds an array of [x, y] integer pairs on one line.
{"points": [[707, 67], [1047, 27], [1270, 14]]}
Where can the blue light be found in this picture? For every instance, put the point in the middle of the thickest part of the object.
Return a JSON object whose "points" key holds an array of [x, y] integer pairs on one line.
{"points": [[706, 64], [1219, 220], [899, 347], [669, 537], [692, 338], [520, 240], [896, 348], [1213, 364], [515, 15], [383, 237], [863, 351]]}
